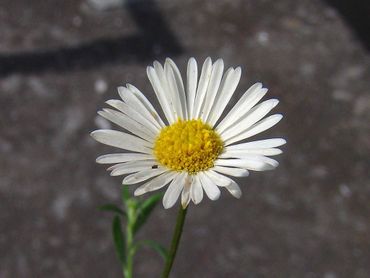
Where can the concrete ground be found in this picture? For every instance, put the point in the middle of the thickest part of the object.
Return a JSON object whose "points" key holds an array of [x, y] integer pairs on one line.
{"points": [[60, 60]]}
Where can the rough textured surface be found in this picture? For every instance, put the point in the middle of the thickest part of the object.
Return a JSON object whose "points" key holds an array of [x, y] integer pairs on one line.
{"points": [[309, 218]]}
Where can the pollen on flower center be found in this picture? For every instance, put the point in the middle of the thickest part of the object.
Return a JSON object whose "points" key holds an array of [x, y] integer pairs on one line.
{"points": [[190, 146]]}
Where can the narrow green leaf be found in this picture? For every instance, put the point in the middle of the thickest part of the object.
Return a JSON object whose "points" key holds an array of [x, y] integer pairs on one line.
{"points": [[144, 210], [118, 239], [162, 251], [112, 208]]}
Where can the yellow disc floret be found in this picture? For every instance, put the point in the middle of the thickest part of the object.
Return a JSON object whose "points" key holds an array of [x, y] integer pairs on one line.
{"points": [[190, 146]]}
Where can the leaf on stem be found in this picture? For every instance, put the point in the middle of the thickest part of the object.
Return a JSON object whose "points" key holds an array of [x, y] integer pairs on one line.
{"points": [[119, 241], [162, 251], [112, 208], [144, 210]]}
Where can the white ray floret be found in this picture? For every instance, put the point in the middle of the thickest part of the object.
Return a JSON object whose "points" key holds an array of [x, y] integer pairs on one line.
{"points": [[127, 123], [252, 96], [227, 89], [121, 140], [164, 101], [210, 188], [174, 190], [232, 171], [122, 157], [134, 102], [192, 79], [156, 183], [130, 167], [133, 114], [147, 105], [143, 175], [202, 88], [196, 190]]}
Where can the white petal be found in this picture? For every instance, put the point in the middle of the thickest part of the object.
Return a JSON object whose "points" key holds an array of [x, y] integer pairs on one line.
{"points": [[122, 140], [143, 175], [202, 87], [185, 196], [146, 163], [122, 157], [127, 123], [260, 144], [130, 98], [156, 183], [234, 189], [196, 190], [172, 87], [253, 162], [179, 86], [131, 167], [246, 152], [146, 103], [133, 114], [191, 85], [236, 172], [219, 91], [227, 88], [211, 189], [168, 83], [256, 128], [214, 84], [228, 183], [162, 97], [173, 191], [245, 103], [217, 178], [253, 116]]}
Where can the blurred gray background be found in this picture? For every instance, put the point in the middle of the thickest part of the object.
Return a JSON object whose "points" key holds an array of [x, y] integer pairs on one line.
{"points": [[60, 60]]}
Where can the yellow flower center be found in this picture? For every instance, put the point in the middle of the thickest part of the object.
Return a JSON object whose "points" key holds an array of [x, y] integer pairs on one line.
{"points": [[190, 146]]}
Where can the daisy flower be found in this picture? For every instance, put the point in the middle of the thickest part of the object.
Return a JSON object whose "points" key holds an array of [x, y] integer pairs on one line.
{"points": [[194, 150]]}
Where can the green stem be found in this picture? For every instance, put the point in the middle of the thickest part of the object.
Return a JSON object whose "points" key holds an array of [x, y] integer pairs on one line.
{"points": [[128, 267], [175, 241], [129, 258]]}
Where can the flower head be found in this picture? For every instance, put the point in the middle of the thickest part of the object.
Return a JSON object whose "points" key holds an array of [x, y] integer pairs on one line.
{"points": [[196, 150]]}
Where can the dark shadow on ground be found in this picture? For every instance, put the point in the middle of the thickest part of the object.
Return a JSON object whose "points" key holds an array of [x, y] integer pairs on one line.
{"points": [[154, 40], [357, 15]]}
